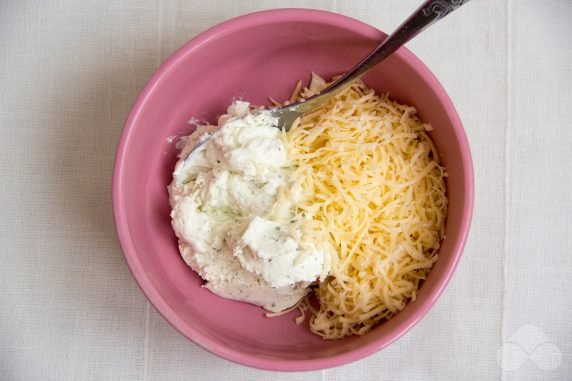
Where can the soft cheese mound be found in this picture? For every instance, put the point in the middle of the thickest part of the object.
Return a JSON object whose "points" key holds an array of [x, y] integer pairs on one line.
{"points": [[233, 202]]}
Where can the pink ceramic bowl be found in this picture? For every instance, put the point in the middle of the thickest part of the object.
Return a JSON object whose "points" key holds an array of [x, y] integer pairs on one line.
{"points": [[253, 57]]}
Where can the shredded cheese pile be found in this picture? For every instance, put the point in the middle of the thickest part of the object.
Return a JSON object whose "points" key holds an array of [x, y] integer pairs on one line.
{"points": [[375, 190]]}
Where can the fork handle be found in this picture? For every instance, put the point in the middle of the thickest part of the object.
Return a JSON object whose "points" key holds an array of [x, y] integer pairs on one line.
{"points": [[427, 14]]}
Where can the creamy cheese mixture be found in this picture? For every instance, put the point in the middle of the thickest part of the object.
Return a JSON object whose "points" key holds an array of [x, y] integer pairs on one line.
{"points": [[233, 202], [353, 195]]}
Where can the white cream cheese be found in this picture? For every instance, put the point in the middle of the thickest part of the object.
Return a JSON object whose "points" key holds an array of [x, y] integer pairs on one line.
{"points": [[232, 203]]}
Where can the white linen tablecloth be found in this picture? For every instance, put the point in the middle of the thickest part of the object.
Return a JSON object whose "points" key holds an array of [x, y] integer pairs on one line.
{"points": [[69, 307]]}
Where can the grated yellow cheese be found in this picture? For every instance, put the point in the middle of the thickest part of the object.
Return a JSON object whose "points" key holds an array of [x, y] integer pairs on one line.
{"points": [[375, 191]]}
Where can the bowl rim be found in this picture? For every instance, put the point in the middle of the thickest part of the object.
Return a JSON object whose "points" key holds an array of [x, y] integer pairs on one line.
{"points": [[119, 212]]}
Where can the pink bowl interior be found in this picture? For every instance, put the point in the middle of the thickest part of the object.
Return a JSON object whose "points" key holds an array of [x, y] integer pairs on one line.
{"points": [[253, 57]]}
